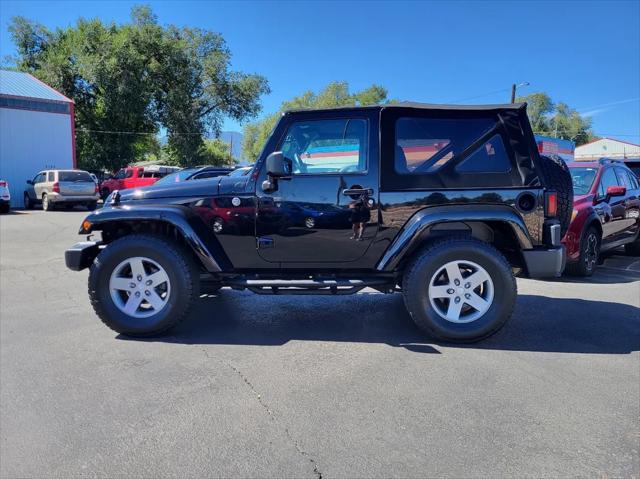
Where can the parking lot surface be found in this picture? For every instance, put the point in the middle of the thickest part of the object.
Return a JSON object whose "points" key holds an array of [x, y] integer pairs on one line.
{"points": [[304, 386]]}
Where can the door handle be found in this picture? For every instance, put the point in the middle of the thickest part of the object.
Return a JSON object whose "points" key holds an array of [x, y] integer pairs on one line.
{"points": [[357, 191]]}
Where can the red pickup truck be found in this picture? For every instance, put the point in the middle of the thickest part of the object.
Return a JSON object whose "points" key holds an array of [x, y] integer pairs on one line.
{"points": [[134, 177]]}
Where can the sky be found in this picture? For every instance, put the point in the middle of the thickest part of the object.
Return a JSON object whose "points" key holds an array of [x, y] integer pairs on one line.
{"points": [[586, 54]]}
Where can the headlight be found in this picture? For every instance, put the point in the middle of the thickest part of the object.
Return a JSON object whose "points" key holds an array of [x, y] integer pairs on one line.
{"points": [[574, 213]]}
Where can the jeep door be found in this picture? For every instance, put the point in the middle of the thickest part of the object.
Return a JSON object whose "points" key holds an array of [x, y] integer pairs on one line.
{"points": [[325, 211]]}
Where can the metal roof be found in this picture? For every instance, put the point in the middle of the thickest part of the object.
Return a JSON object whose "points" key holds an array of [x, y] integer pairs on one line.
{"points": [[18, 84]]}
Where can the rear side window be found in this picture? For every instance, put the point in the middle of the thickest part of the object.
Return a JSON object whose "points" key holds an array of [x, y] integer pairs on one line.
{"points": [[489, 158], [625, 179], [74, 176], [424, 145], [51, 176], [128, 173]]}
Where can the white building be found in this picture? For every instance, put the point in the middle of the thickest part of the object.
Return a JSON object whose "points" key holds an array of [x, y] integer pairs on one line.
{"points": [[607, 147], [36, 130]]}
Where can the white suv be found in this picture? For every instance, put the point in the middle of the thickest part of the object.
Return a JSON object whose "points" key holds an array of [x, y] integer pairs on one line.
{"points": [[5, 197]]}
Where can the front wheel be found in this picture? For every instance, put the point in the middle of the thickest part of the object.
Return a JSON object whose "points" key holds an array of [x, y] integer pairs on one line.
{"points": [[589, 254], [459, 290], [142, 285], [28, 204]]}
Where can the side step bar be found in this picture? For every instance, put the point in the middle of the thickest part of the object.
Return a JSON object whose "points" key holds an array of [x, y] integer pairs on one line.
{"points": [[310, 286]]}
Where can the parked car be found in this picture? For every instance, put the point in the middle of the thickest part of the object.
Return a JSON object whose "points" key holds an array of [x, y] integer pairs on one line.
{"points": [[442, 203], [606, 213], [198, 173], [53, 188], [134, 177], [242, 171], [5, 197]]}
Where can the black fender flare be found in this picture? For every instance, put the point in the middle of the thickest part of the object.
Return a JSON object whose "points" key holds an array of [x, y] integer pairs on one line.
{"points": [[430, 216], [192, 229]]}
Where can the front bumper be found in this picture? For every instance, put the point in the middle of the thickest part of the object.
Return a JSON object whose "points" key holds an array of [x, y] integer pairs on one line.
{"points": [[81, 255]]}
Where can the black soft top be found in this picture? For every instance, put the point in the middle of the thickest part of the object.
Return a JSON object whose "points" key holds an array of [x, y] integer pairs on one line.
{"points": [[421, 106]]}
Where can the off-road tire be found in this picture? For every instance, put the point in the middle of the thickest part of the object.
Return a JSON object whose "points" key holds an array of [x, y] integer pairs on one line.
{"points": [[581, 267], [556, 176], [28, 204], [181, 270], [424, 265]]}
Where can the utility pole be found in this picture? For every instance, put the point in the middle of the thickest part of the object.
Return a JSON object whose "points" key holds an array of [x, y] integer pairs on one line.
{"points": [[513, 93]]}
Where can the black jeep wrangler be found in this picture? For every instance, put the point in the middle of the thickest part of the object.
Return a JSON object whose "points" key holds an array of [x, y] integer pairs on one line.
{"points": [[441, 203]]}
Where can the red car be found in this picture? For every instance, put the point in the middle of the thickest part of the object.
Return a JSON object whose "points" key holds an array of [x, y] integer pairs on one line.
{"points": [[606, 213], [134, 177]]}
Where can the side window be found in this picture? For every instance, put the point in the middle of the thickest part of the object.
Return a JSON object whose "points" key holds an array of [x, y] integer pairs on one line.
{"points": [[489, 158], [327, 146], [119, 175], [624, 179], [140, 173], [39, 178], [51, 177], [608, 179], [202, 176], [424, 145], [128, 173]]}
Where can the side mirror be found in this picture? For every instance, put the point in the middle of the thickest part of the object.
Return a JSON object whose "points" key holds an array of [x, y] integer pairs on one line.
{"points": [[278, 166], [616, 191]]}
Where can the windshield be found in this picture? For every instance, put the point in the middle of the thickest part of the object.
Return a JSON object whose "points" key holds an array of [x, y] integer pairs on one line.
{"points": [[241, 171], [176, 177], [582, 179], [74, 176]]}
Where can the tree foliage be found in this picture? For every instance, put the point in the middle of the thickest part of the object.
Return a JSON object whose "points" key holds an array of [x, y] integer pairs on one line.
{"points": [[218, 153], [334, 94], [557, 119], [129, 80]]}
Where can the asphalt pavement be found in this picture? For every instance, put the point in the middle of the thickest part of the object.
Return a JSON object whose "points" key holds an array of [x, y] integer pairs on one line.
{"points": [[304, 386]]}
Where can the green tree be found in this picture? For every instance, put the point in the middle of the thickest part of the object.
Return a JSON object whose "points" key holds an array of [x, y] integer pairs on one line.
{"points": [[217, 153], [129, 80], [334, 94], [557, 119]]}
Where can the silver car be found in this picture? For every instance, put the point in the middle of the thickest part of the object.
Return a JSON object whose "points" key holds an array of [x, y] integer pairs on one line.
{"points": [[52, 188]]}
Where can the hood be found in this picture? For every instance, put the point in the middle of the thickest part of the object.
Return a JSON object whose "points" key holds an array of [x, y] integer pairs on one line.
{"points": [[206, 187]]}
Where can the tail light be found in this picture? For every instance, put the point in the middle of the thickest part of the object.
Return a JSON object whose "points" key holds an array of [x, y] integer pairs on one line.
{"points": [[3, 184], [97, 189], [56, 187], [551, 204]]}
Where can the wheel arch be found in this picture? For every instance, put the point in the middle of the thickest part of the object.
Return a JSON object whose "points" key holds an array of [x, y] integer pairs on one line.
{"points": [[498, 225], [172, 221]]}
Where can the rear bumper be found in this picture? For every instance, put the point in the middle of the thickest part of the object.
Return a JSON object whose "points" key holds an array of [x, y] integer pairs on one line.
{"points": [[58, 198], [81, 255], [545, 263]]}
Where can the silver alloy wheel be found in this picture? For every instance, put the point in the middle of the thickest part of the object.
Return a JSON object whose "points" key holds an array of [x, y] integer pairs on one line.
{"points": [[139, 287], [461, 291], [45, 202], [217, 225]]}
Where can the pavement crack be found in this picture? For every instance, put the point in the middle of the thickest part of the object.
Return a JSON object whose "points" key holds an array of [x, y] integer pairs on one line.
{"points": [[271, 414]]}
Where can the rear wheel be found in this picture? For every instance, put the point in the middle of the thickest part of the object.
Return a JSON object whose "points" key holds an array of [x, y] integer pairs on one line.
{"points": [[459, 290], [589, 254], [4, 208], [142, 285], [633, 249]]}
